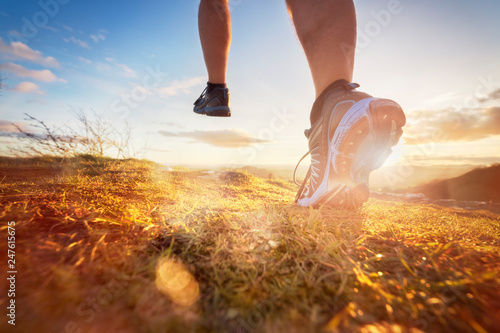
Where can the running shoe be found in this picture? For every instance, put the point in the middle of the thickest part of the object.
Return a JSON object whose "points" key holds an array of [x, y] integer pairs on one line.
{"points": [[352, 136], [214, 103]]}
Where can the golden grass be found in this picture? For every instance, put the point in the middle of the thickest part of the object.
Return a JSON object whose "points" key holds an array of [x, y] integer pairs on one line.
{"points": [[108, 246]]}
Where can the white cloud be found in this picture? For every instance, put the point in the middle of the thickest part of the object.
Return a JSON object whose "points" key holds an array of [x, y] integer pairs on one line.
{"points": [[67, 28], [227, 138], [44, 75], [20, 51], [27, 88], [98, 37], [50, 28], [78, 42], [103, 67], [82, 59], [10, 127], [126, 71], [142, 90], [181, 86], [451, 125]]}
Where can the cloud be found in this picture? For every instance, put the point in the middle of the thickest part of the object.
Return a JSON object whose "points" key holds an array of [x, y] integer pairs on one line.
{"points": [[228, 138], [50, 28], [20, 51], [181, 86], [9, 127], [96, 38], [82, 59], [67, 28], [451, 125], [141, 89], [78, 42], [44, 75], [460, 159], [126, 71], [27, 88], [493, 96], [103, 67], [173, 124]]}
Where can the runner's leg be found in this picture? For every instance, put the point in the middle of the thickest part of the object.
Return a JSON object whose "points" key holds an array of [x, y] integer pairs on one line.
{"points": [[214, 23], [327, 32]]}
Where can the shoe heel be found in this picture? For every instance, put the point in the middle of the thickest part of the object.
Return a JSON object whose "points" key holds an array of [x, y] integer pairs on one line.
{"points": [[388, 118], [349, 198], [221, 111]]}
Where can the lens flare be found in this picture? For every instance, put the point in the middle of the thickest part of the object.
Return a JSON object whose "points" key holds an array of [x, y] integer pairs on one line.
{"points": [[175, 281]]}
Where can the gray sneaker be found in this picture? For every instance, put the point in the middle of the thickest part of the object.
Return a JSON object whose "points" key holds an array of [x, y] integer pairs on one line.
{"points": [[214, 103], [352, 137]]}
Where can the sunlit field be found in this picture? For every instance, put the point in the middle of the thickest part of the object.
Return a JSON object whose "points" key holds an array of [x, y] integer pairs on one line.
{"points": [[107, 245]]}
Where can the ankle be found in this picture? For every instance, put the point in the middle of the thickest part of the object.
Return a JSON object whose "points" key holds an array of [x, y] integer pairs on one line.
{"points": [[211, 86], [318, 103]]}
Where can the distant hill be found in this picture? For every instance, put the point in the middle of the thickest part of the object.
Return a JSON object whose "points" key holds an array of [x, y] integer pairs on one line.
{"points": [[389, 178], [481, 184], [273, 172], [401, 178]]}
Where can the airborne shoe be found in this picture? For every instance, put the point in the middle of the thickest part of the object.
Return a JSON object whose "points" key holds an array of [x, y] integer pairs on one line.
{"points": [[214, 103], [352, 137]]}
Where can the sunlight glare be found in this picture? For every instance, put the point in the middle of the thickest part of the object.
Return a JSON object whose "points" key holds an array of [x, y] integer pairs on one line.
{"points": [[175, 281]]}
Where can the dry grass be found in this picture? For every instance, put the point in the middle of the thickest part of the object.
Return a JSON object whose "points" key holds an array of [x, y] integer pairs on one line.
{"points": [[120, 246]]}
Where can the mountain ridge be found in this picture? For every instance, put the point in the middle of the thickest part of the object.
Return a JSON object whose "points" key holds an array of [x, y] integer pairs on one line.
{"points": [[480, 184]]}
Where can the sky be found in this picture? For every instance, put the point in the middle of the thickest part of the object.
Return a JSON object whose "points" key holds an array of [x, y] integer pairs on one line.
{"points": [[141, 62]]}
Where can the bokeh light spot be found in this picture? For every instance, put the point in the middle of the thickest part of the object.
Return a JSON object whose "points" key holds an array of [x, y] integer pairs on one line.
{"points": [[176, 282]]}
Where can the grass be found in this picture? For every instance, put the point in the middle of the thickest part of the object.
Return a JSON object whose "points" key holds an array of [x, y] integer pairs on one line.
{"points": [[120, 246]]}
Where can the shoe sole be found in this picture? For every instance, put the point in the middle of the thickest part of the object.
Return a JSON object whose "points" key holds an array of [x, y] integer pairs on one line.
{"points": [[362, 142], [345, 197], [214, 112], [367, 143]]}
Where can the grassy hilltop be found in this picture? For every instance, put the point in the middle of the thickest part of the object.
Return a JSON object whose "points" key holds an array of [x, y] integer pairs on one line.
{"points": [[121, 246]]}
